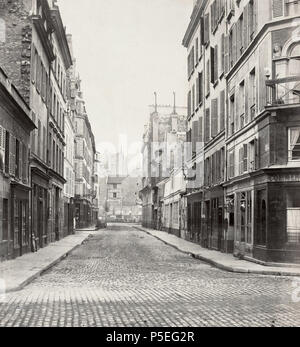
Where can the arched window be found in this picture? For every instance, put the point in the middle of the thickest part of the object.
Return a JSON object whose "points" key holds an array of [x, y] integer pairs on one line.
{"points": [[294, 60], [2, 30]]}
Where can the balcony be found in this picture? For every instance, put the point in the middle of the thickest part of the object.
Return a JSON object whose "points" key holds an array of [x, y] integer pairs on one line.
{"points": [[283, 91]]}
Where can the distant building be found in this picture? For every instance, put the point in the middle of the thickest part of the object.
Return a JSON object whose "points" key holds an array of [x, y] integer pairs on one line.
{"points": [[15, 128], [166, 128], [243, 108]]}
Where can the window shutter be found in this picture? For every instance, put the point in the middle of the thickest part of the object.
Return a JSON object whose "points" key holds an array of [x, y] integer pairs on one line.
{"points": [[206, 29], [245, 29], [222, 110], [201, 88], [195, 132], [222, 53], [236, 111], [239, 35], [12, 161], [201, 129], [278, 8], [226, 54], [212, 65], [256, 149], [245, 158], [2, 148], [207, 125], [214, 115], [247, 94], [202, 32], [241, 160], [25, 164], [234, 44], [197, 92], [216, 64], [21, 163]]}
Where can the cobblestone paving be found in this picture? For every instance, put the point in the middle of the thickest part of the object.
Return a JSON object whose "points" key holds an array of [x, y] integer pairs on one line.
{"points": [[123, 277]]}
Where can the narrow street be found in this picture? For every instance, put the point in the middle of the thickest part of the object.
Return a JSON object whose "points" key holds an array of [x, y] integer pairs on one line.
{"points": [[124, 277]]}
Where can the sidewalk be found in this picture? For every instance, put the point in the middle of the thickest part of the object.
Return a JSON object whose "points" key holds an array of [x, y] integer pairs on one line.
{"points": [[220, 260], [19, 272]]}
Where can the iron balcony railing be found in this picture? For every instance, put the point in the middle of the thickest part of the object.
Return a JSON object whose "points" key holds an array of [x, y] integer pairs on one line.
{"points": [[283, 91]]}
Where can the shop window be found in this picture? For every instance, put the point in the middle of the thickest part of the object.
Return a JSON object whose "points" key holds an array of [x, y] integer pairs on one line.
{"points": [[294, 144], [293, 216]]}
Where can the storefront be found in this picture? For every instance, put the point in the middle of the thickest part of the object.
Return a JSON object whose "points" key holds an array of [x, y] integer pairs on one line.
{"points": [[20, 219]]}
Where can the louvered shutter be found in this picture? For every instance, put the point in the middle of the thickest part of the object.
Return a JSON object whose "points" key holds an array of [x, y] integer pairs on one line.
{"points": [[197, 92], [20, 160], [247, 94], [234, 45], [222, 110], [195, 132], [222, 53], [214, 116], [206, 29], [2, 148], [201, 129], [245, 158], [212, 65], [207, 125], [226, 54], [241, 160], [25, 165], [216, 63], [202, 32], [236, 110], [278, 8]]}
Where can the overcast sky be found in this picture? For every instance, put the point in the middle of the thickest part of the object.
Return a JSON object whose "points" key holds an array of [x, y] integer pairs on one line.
{"points": [[126, 50]]}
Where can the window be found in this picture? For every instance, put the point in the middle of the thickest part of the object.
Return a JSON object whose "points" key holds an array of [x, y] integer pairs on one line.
{"points": [[193, 99], [189, 102], [293, 216], [207, 77], [200, 88], [115, 186], [215, 117], [114, 195], [294, 144], [252, 94], [197, 50]]}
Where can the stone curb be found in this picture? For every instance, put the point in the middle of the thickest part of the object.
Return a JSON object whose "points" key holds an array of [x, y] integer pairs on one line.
{"points": [[223, 267], [40, 272]]}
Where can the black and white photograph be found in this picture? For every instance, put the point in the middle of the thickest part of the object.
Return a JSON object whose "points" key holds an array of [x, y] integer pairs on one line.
{"points": [[149, 166]]}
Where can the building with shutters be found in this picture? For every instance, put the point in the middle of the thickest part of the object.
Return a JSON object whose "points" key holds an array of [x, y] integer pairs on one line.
{"points": [[205, 43], [85, 155], [15, 129], [166, 128], [252, 156]]}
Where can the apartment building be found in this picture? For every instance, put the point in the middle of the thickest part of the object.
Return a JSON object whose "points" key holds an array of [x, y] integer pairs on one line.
{"points": [[247, 201]]}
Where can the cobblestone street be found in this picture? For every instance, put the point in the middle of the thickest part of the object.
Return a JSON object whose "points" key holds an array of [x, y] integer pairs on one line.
{"points": [[124, 277]]}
